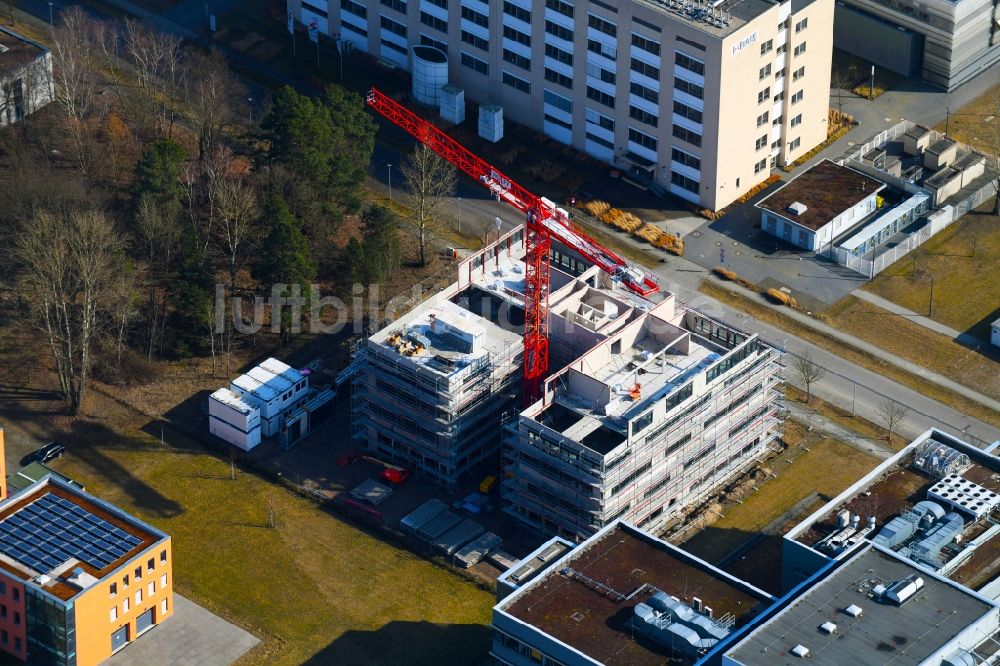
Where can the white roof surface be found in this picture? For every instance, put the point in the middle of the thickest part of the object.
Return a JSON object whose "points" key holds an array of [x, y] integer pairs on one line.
{"points": [[233, 400]]}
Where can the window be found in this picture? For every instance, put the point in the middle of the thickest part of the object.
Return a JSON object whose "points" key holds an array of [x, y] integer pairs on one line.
{"points": [[594, 118], [515, 82], [797, 97], [558, 101], [796, 120], [558, 54], [17, 644], [3, 610], [163, 607], [684, 182], [643, 140], [3, 587], [439, 3], [434, 22], [398, 5], [125, 582], [685, 111], [517, 59], [520, 13], [138, 573], [777, 121], [794, 143], [475, 63], [686, 159], [4, 637], [559, 31], [138, 597], [392, 26], [602, 25], [150, 564], [780, 96], [760, 143], [600, 96], [642, 91], [475, 40], [314, 9], [516, 35], [765, 72], [799, 73], [602, 49], [782, 49], [802, 25], [16, 593], [763, 95], [482, 20], [642, 116], [690, 43], [687, 62], [125, 605], [564, 8], [762, 119], [559, 78], [113, 614], [799, 50], [17, 617], [775, 144], [766, 47], [645, 69], [436, 43], [645, 44], [692, 89], [163, 557], [760, 166], [163, 581], [605, 75], [684, 134], [778, 75]]}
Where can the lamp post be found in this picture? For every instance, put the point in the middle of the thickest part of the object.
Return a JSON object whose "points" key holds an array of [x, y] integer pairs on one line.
{"points": [[459, 214], [52, 21], [250, 106], [930, 305], [390, 181]]}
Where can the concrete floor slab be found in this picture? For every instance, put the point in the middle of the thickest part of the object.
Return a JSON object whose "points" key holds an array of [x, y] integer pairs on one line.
{"points": [[192, 636]]}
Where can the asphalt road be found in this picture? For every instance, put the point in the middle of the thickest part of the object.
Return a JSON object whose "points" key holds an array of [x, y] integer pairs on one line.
{"points": [[682, 277]]}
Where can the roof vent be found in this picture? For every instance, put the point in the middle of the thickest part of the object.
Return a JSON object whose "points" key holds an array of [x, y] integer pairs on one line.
{"points": [[3, 49], [800, 651], [853, 610], [797, 208], [828, 627]]}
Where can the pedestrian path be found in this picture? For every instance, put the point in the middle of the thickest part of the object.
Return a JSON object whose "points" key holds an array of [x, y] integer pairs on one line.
{"points": [[922, 320]]}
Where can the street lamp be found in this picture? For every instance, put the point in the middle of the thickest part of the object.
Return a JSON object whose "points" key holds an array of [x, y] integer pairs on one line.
{"points": [[390, 181], [250, 104], [459, 214], [52, 21], [930, 305]]}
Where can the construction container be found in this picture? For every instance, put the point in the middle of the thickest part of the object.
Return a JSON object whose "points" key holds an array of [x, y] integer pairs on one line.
{"points": [[477, 549], [452, 104], [458, 536], [430, 73], [416, 519], [491, 122], [438, 525], [233, 419]]}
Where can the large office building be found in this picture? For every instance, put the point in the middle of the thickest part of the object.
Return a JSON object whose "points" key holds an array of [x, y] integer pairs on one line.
{"points": [[702, 99], [79, 578], [942, 42]]}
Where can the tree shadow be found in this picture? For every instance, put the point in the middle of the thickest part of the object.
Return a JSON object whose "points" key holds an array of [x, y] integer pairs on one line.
{"points": [[981, 330], [413, 643]]}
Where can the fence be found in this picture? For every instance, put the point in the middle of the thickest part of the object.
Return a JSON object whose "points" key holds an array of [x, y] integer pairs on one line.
{"points": [[879, 140]]}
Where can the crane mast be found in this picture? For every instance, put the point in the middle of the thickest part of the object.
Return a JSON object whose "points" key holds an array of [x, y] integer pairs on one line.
{"points": [[544, 221]]}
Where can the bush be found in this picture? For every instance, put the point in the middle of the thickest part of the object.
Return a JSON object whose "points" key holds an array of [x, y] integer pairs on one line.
{"points": [[866, 91], [758, 188], [725, 273], [780, 297], [595, 208], [621, 220]]}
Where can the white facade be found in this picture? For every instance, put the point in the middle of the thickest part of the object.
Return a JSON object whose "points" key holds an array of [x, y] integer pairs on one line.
{"points": [[995, 333], [233, 419], [274, 388], [25, 77]]}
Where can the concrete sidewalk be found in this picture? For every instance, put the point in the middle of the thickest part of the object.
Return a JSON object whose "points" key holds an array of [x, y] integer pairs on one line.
{"points": [[813, 420], [831, 332], [922, 320]]}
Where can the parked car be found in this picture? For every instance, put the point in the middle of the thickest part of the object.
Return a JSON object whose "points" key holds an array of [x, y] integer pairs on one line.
{"points": [[348, 457], [394, 475], [47, 453]]}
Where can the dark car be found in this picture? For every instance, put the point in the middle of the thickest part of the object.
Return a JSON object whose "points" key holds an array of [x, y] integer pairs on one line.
{"points": [[47, 453]]}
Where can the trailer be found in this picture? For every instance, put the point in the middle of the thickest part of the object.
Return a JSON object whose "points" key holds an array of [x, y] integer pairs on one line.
{"points": [[414, 520], [438, 525], [458, 536], [477, 549], [503, 560]]}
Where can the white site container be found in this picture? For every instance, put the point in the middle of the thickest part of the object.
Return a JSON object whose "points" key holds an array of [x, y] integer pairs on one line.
{"points": [[234, 419], [452, 106], [430, 73], [491, 122]]}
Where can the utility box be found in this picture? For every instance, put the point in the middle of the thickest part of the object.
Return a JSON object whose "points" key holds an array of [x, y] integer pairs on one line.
{"points": [[491, 122], [452, 104]]}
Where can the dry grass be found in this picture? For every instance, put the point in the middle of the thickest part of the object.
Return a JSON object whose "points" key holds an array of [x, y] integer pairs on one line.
{"points": [[906, 339], [781, 297], [842, 417], [968, 124], [853, 354], [966, 291]]}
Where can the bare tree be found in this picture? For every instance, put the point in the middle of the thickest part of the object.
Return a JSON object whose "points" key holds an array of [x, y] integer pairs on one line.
{"points": [[892, 413], [809, 371], [156, 59], [431, 181], [72, 267], [212, 97], [76, 81], [159, 233]]}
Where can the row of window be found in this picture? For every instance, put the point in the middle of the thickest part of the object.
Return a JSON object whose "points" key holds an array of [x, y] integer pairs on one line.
{"points": [[126, 601], [137, 574]]}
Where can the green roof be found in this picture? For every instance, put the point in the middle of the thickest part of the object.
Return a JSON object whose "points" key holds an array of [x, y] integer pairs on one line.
{"points": [[20, 480]]}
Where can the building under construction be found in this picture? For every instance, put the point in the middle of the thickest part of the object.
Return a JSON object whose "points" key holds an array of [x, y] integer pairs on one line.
{"points": [[649, 405]]}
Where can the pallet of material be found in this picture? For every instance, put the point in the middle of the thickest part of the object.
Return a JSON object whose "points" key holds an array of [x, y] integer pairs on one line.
{"points": [[476, 550], [458, 536], [438, 525], [414, 520]]}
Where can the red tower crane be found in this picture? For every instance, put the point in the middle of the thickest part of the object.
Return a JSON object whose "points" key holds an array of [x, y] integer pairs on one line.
{"points": [[545, 221]]}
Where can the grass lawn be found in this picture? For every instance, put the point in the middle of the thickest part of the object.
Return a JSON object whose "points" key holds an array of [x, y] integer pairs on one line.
{"points": [[863, 427], [314, 588], [966, 291], [852, 354], [969, 124], [904, 338]]}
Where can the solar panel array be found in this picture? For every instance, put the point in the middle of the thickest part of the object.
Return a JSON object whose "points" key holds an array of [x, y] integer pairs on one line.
{"points": [[51, 530]]}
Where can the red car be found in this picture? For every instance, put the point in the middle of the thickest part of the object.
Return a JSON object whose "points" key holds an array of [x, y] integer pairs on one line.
{"points": [[348, 457], [393, 475]]}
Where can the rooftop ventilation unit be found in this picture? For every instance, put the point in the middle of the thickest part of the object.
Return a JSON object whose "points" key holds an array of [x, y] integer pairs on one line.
{"points": [[902, 591], [939, 460], [828, 628], [853, 611], [797, 208], [965, 495], [800, 651]]}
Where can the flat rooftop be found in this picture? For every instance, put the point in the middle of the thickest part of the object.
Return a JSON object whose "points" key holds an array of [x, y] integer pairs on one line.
{"points": [[728, 17], [826, 190], [52, 529], [884, 633], [634, 565], [897, 487], [16, 51]]}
